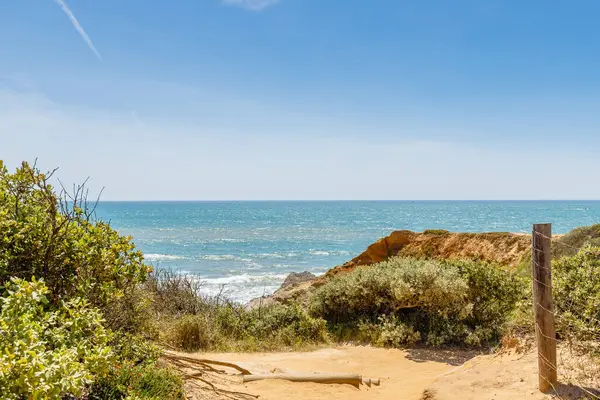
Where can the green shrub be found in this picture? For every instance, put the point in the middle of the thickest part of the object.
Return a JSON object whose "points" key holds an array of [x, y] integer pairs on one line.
{"points": [[136, 373], [192, 332], [404, 300], [386, 331], [134, 348], [191, 321], [492, 291], [232, 327], [177, 294], [569, 244], [436, 232], [388, 287], [576, 283], [47, 354], [393, 333], [131, 312], [57, 237], [566, 245], [289, 325], [130, 381]]}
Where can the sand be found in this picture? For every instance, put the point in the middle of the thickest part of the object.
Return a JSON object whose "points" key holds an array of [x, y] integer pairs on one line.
{"points": [[405, 374]]}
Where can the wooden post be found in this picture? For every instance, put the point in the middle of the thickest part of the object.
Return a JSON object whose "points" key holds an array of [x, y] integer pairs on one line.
{"points": [[543, 306]]}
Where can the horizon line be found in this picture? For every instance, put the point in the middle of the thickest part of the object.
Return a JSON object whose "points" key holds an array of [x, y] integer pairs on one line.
{"points": [[341, 200]]}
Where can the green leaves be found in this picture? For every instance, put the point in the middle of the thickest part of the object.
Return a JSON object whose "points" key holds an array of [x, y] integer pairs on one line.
{"points": [[576, 282], [47, 354], [53, 342], [55, 236], [404, 300]]}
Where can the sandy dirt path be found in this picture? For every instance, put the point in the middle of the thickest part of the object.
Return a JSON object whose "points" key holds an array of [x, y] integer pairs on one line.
{"points": [[404, 374], [413, 374]]}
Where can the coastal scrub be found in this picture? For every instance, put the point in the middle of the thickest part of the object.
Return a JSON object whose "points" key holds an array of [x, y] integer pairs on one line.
{"points": [[405, 300]]}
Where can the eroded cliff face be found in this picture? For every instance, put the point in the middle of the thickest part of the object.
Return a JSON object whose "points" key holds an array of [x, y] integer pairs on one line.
{"points": [[500, 247], [507, 249]]}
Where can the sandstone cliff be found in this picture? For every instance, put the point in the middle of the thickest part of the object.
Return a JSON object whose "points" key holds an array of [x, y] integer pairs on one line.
{"points": [[504, 248]]}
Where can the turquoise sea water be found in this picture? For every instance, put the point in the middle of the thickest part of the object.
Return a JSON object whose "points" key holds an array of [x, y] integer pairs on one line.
{"points": [[250, 247]]}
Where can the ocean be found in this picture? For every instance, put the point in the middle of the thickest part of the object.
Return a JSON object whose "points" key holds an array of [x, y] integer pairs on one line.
{"points": [[248, 248]]}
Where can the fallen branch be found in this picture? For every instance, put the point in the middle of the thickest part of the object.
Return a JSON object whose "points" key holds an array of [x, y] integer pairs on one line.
{"points": [[226, 393], [205, 362], [219, 390], [350, 379]]}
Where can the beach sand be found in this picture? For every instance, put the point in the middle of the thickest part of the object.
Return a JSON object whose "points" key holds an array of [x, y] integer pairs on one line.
{"points": [[405, 374]]}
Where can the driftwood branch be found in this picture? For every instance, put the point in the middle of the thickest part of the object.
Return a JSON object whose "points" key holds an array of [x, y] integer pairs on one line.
{"points": [[205, 362], [219, 390], [350, 379], [204, 372]]}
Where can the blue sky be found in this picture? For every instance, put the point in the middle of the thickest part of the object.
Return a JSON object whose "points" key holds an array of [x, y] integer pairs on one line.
{"points": [[306, 99]]}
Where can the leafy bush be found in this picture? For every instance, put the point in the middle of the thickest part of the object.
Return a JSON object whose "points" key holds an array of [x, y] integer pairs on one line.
{"points": [[566, 245], [52, 343], [48, 354], [569, 244], [232, 327], [289, 325], [388, 287], [131, 312], [175, 294], [193, 332], [135, 373], [56, 236], [576, 282], [192, 321], [442, 301], [131, 381], [134, 348], [387, 331]]}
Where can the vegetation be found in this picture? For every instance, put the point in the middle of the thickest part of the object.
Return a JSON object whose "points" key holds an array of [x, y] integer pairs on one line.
{"points": [[48, 352], [569, 244], [576, 282], [65, 335], [576, 287], [80, 310], [436, 232], [403, 301], [55, 236], [135, 373], [190, 321], [138, 382]]}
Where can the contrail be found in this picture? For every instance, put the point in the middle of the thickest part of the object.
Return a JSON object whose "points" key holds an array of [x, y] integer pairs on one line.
{"points": [[84, 35]]}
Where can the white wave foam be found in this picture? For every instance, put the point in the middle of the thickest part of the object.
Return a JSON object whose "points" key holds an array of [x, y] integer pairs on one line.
{"points": [[274, 255], [223, 257], [329, 253], [253, 265], [282, 265], [162, 257], [242, 287], [245, 278]]}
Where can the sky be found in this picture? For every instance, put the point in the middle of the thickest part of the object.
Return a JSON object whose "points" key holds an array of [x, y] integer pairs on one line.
{"points": [[305, 99]]}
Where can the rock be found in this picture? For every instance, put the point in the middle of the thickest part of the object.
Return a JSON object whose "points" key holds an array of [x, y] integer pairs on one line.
{"points": [[297, 277], [295, 286]]}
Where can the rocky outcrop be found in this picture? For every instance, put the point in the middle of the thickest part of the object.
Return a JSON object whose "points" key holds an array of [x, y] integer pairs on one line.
{"points": [[504, 248], [297, 277]]}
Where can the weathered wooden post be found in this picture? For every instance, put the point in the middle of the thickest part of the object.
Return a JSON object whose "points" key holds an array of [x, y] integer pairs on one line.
{"points": [[543, 306]]}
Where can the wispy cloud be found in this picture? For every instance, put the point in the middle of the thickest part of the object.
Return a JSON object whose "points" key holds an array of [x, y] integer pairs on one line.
{"points": [[254, 5], [77, 26]]}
